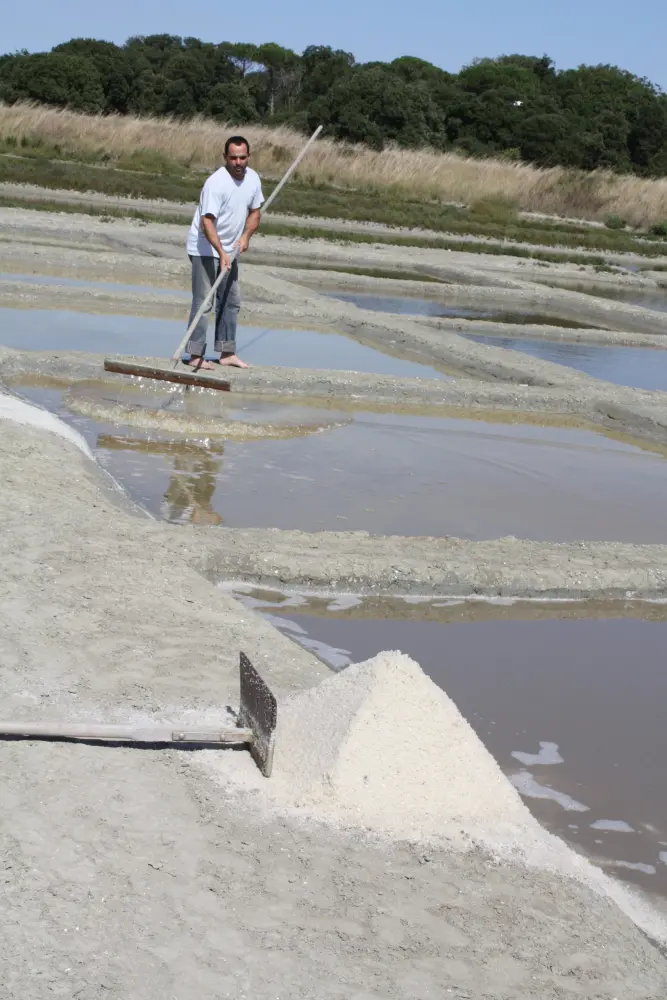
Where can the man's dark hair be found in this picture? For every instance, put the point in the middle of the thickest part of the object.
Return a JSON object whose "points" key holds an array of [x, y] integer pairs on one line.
{"points": [[237, 140]]}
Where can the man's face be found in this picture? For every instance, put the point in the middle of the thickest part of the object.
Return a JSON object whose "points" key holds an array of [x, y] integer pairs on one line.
{"points": [[236, 161]]}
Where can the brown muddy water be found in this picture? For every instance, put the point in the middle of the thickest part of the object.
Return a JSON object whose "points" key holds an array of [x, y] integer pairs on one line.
{"points": [[382, 473], [64, 330], [568, 697]]}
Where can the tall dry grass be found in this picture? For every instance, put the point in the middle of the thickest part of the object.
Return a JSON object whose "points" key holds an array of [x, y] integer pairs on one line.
{"points": [[199, 143]]}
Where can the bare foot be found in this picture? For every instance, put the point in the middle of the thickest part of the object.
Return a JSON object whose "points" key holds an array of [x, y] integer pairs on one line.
{"points": [[200, 364], [233, 361]]}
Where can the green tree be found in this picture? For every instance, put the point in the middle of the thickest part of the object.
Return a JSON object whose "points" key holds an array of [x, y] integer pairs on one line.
{"points": [[321, 68], [590, 117], [53, 78], [113, 67], [282, 74], [374, 105], [232, 102], [242, 55]]}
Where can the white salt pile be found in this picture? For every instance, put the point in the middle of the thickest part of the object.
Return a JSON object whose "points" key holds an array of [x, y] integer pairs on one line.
{"points": [[382, 747]]}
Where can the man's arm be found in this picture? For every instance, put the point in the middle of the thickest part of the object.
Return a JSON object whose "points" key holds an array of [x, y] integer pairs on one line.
{"points": [[211, 234], [251, 227]]}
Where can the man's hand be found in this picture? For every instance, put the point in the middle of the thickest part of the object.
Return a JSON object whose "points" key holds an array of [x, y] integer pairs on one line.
{"points": [[243, 242], [251, 225], [211, 234]]}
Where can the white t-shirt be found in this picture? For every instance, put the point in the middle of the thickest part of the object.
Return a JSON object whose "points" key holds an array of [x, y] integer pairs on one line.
{"points": [[229, 201]]}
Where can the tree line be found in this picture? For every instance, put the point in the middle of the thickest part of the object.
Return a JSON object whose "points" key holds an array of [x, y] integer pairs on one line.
{"points": [[517, 107]]}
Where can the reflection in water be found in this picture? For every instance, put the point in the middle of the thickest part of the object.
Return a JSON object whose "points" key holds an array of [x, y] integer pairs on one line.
{"points": [[188, 497]]}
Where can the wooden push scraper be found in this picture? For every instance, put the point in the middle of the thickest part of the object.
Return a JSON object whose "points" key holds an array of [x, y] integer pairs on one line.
{"points": [[257, 718]]}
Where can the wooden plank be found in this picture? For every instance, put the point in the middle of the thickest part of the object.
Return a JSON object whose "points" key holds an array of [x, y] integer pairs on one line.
{"points": [[167, 375], [126, 734]]}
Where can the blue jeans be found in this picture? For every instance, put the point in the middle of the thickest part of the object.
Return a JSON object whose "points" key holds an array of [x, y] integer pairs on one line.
{"points": [[227, 305]]}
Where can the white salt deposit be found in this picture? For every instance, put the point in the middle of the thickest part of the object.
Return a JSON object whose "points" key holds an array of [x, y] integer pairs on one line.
{"points": [[382, 747], [13, 408], [547, 754], [613, 826], [635, 866], [530, 787]]}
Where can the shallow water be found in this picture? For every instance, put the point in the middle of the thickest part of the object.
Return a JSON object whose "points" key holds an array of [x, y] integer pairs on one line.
{"points": [[382, 473], [407, 306], [640, 367], [111, 286], [571, 708], [40, 329]]}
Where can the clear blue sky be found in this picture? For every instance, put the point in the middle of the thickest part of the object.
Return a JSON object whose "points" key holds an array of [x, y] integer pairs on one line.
{"points": [[631, 34]]}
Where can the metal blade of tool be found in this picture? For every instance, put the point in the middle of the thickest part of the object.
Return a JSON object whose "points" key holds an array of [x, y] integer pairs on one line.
{"points": [[259, 712], [257, 717]]}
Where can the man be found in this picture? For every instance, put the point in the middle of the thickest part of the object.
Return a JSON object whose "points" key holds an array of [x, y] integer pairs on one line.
{"points": [[227, 216]]}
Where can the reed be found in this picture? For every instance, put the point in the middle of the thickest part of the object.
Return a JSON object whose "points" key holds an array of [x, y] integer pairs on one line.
{"points": [[197, 144]]}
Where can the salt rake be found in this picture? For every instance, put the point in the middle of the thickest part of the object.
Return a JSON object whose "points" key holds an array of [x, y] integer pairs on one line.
{"points": [[257, 719], [194, 377]]}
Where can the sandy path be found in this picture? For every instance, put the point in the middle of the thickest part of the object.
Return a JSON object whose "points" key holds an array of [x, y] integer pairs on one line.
{"points": [[131, 873], [136, 877]]}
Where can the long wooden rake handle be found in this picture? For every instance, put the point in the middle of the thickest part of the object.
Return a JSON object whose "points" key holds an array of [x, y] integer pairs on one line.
{"points": [[224, 274], [126, 734]]}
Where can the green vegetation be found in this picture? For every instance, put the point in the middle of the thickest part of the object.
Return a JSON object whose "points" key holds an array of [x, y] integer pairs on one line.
{"points": [[269, 227], [106, 213], [368, 272], [614, 222], [506, 250], [57, 174], [516, 107], [490, 218]]}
